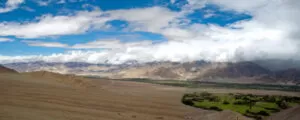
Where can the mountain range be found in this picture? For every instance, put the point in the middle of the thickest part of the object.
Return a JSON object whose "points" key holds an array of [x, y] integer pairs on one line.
{"points": [[229, 72]]}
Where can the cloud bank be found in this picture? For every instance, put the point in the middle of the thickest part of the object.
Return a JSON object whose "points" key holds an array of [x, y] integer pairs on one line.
{"points": [[271, 33]]}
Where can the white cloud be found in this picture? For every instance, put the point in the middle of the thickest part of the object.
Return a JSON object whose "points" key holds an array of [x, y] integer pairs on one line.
{"points": [[11, 5], [29, 9], [45, 44], [271, 33], [49, 25], [110, 44], [150, 19], [47, 2], [173, 51], [172, 1], [97, 44], [242, 5], [43, 2], [6, 40]]}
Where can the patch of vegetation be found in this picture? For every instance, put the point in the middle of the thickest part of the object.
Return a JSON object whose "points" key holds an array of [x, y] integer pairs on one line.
{"points": [[255, 106], [225, 102], [200, 84]]}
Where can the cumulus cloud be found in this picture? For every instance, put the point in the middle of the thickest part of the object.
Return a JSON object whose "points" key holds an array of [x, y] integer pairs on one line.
{"points": [[242, 5], [11, 5], [271, 33], [97, 44], [83, 21], [151, 19], [6, 40], [111, 44], [172, 1], [45, 44], [49, 25], [230, 49]]}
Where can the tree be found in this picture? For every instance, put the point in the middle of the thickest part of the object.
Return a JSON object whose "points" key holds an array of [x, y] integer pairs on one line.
{"points": [[251, 103], [188, 102], [225, 102], [282, 104]]}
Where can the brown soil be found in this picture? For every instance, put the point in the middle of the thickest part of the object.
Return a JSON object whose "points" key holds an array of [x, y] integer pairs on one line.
{"points": [[289, 114], [36, 97]]}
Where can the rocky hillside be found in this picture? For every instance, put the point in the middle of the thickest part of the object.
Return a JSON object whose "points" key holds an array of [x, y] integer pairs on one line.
{"points": [[235, 70], [6, 70], [250, 72], [289, 75]]}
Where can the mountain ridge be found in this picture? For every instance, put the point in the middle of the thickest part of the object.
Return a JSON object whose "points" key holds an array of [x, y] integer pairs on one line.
{"points": [[4, 69], [197, 70]]}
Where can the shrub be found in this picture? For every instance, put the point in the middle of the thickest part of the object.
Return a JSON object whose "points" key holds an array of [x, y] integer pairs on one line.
{"points": [[250, 95], [268, 98], [238, 96], [248, 111], [215, 108], [250, 114], [188, 102], [214, 99], [225, 102], [296, 99], [198, 99], [263, 113], [273, 109], [282, 104], [240, 102], [189, 95], [291, 99]]}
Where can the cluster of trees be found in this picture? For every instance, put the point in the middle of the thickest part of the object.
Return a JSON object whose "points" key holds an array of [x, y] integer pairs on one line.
{"points": [[199, 97], [189, 99], [249, 100]]}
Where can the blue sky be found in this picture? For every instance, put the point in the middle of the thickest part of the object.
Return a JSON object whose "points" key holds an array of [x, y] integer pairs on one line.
{"points": [[47, 28]]}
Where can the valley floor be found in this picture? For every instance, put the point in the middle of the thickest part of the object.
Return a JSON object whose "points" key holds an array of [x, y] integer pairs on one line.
{"points": [[24, 97]]}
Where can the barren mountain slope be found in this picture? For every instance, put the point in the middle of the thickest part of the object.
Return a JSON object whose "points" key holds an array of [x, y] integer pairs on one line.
{"points": [[6, 70], [225, 72], [289, 75], [27, 98], [71, 80]]}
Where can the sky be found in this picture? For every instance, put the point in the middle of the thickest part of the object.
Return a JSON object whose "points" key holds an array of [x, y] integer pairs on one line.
{"points": [[115, 31]]}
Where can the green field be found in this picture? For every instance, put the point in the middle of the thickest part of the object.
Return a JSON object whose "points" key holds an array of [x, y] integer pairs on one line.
{"points": [[256, 106]]}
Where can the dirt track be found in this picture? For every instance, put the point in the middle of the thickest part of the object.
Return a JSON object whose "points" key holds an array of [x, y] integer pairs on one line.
{"points": [[29, 98]]}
